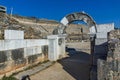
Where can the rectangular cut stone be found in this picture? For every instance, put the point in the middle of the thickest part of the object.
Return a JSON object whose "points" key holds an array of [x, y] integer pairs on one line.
{"points": [[92, 30], [52, 50], [32, 51], [56, 47], [36, 42], [101, 35], [13, 34], [105, 27], [64, 21], [15, 44], [101, 41]]}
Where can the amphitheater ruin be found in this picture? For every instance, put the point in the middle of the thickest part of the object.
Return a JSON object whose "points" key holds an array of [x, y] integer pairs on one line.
{"points": [[27, 41]]}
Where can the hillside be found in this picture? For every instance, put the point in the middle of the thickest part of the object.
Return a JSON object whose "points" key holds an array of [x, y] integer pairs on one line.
{"points": [[34, 28]]}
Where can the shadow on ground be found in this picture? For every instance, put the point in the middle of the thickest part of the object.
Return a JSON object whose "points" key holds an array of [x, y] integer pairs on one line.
{"points": [[77, 64]]}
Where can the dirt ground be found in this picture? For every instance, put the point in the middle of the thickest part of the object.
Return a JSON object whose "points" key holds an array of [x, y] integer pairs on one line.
{"points": [[55, 72], [75, 67]]}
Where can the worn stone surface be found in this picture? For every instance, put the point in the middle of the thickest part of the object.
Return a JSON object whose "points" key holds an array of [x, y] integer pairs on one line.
{"points": [[105, 27], [33, 58], [17, 54], [3, 56], [33, 70], [110, 69], [100, 41], [56, 47], [101, 35], [13, 34], [14, 60]]}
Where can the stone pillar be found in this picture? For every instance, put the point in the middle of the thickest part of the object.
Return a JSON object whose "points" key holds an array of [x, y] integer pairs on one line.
{"points": [[100, 48], [56, 47]]}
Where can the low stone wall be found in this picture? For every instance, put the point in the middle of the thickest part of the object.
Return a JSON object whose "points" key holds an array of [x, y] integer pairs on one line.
{"points": [[13, 59], [17, 53]]}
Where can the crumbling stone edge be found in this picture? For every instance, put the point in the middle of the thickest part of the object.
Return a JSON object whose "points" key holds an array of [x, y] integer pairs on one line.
{"points": [[31, 70]]}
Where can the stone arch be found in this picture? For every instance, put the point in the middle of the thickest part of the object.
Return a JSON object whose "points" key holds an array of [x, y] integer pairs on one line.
{"points": [[78, 16]]}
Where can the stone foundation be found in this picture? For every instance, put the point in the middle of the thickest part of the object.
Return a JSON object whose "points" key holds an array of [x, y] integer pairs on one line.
{"points": [[12, 60]]}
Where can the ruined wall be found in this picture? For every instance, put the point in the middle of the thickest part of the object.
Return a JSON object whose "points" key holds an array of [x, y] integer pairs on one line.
{"points": [[17, 54], [100, 47], [110, 69], [105, 27]]}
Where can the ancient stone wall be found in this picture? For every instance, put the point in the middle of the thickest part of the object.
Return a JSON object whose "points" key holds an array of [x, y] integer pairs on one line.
{"points": [[110, 69], [17, 53]]}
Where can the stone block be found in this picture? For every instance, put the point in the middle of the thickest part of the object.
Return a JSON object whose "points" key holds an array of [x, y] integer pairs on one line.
{"points": [[14, 44], [64, 21], [101, 35], [3, 56], [36, 42], [32, 58], [101, 41], [32, 51], [105, 27], [92, 30], [13, 34], [17, 54], [56, 47]]}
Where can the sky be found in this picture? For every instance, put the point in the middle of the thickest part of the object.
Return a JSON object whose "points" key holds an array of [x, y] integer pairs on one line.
{"points": [[102, 11]]}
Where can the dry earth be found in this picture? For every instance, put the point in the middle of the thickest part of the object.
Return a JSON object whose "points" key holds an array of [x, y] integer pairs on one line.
{"points": [[75, 67], [55, 72]]}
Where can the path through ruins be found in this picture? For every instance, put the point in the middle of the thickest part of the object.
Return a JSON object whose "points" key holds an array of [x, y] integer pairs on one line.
{"points": [[75, 67]]}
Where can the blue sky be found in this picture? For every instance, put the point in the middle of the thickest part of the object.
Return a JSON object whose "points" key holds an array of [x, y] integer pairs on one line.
{"points": [[102, 11]]}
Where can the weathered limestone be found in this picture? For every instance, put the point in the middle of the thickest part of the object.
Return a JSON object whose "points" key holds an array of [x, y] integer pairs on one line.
{"points": [[73, 17], [110, 69], [101, 41], [102, 35], [105, 27], [17, 53], [14, 44], [101, 47], [56, 47], [13, 34]]}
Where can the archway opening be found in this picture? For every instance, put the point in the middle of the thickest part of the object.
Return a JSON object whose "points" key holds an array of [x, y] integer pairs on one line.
{"points": [[80, 16], [77, 31]]}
